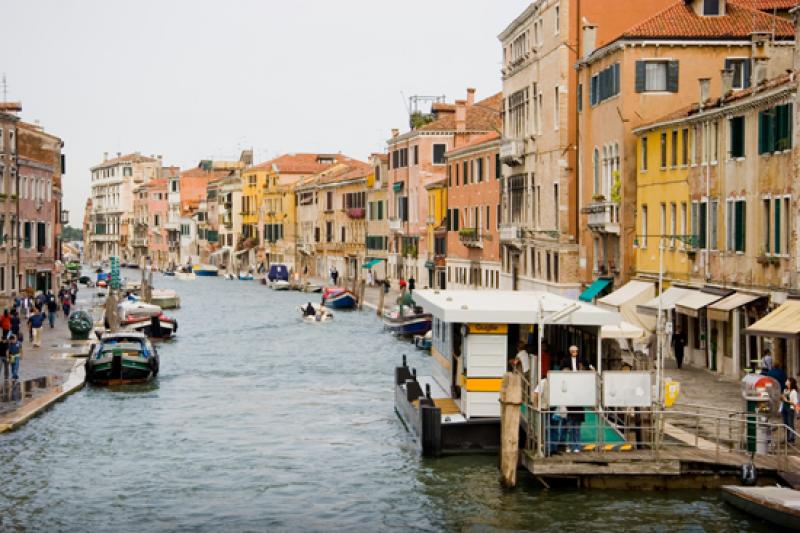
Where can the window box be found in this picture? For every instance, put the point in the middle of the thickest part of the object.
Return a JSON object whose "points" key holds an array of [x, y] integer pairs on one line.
{"points": [[356, 213]]}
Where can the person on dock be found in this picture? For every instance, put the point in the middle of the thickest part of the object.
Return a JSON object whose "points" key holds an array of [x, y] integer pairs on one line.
{"points": [[522, 361], [52, 309], [73, 292], [777, 373], [789, 406], [575, 415], [14, 355], [36, 321], [766, 362], [335, 276]]}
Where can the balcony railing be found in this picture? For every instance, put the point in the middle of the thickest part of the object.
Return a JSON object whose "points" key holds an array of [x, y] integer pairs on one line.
{"points": [[603, 217], [139, 242], [512, 151], [510, 232], [470, 237], [395, 225]]}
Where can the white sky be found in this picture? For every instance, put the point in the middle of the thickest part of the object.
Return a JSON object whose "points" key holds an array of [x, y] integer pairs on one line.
{"points": [[201, 79]]}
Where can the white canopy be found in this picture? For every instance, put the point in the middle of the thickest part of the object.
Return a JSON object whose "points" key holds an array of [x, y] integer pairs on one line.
{"points": [[625, 330], [512, 307], [691, 303], [625, 299], [668, 299]]}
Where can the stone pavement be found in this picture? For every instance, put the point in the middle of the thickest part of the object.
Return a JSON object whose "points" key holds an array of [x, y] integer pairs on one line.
{"points": [[700, 387]]}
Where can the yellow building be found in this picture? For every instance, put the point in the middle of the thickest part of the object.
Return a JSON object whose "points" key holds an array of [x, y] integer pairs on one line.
{"points": [[437, 236], [663, 203]]}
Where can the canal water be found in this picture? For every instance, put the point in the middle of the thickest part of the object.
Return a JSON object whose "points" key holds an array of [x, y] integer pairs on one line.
{"points": [[259, 421]]}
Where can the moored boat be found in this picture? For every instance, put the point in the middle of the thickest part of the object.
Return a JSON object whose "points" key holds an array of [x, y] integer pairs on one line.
{"points": [[408, 320], [339, 298], [423, 342], [121, 358], [778, 505], [157, 327], [165, 298], [205, 270], [245, 276], [279, 285]]}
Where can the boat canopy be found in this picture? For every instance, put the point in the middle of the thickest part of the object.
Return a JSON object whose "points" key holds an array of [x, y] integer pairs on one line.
{"points": [[512, 307]]}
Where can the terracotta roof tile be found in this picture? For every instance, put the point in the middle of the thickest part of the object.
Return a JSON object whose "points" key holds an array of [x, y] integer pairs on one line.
{"points": [[680, 21], [128, 158], [767, 5], [481, 116], [305, 163], [480, 139]]}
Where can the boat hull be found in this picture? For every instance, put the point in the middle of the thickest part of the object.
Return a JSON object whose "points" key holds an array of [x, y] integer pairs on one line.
{"points": [[411, 325], [206, 273], [340, 300], [122, 358], [120, 372], [749, 500], [156, 327], [437, 434]]}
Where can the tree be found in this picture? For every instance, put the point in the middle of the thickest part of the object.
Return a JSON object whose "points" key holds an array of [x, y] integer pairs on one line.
{"points": [[68, 233]]}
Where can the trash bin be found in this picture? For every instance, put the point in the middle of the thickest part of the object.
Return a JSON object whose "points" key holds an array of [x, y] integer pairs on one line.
{"points": [[80, 325]]}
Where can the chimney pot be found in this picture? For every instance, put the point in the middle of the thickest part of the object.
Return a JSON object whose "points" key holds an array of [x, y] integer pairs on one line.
{"points": [[727, 81], [461, 114], [589, 37], [470, 96]]}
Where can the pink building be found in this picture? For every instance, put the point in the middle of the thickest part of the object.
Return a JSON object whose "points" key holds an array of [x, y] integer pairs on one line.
{"points": [[416, 160], [150, 215]]}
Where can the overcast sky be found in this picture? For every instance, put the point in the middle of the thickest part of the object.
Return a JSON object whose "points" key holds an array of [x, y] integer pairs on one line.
{"points": [[205, 79]]}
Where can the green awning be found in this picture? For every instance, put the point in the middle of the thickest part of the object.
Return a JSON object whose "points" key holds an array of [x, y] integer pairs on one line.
{"points": [[594, 289], [397, 186], [371, 263]]}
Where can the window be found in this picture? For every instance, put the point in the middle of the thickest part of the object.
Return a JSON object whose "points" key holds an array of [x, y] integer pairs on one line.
{"points": [[683, 220], [662, 220], [685, 147], [438, 153], [604, 84], [644, 226], [558, 19], [580, 97], [735, 229], [741, 72], [402, 208], [654, 76], [556, 110], [479, 168], [517, 113], [737, 136], [344, 234], [555, 206], [711, 7], [328, 231], [664, 150], [328, 200], [498, 170], [596, 169], [416, 153], [714, 142], [644, 153], [674, 148], [775, 129], [673, 223]]}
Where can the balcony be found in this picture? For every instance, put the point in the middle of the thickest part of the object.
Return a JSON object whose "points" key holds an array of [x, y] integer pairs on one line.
{"points": [[395, 225], [470, 237], [139, 242], [512, 152], [510, 233], [603, 217], [356, 213]]}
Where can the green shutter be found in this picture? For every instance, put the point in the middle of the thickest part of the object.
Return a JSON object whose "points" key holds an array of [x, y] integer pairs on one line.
{"points": [[640, 76], [740, 225], [672, 76]]}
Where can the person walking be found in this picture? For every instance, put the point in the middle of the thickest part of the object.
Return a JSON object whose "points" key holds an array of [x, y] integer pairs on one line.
{"points": [[52, 309], [4, 362], [412, 283], [15, 323], [36, 321], [5, 323], [789, 408], [678, 343], [14, 355], [73, 293], [66, 304], [335, 276]]}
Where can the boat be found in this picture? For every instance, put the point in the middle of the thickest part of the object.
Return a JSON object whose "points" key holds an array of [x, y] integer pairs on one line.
{"points": [[311, 287], [185, 276], [205, 270], [423, 342], [407, 318], [322, 314], [169, 273], [158, 326], [278, 272], [778, 505], [122, 358], [245, 276], [339, 298], [279, 285], [165, 298], [456, 409]]}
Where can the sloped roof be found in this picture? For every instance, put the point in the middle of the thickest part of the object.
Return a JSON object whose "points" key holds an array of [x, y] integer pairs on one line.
{"points": [[679, 21], [768, 5], [302, 163], [480, 139], [481, 116], [128, 158], [198, 172], [350, 171]]}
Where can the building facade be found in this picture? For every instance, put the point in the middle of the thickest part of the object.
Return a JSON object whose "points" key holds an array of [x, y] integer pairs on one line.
{"points": [[377, 217]]}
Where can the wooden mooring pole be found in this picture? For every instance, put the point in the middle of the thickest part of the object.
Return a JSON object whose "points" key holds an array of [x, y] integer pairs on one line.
{"points": [[510, 400], [381, 297]]}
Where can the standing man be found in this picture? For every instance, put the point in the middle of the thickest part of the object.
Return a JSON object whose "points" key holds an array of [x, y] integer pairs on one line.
{"points": [[36, 321], [678, 343], [4, 362], [412, 283], [52, 309], [575, 415], [14, 355]]}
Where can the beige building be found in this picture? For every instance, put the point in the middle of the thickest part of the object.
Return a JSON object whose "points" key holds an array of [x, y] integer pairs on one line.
{"points": [[377, 217]]}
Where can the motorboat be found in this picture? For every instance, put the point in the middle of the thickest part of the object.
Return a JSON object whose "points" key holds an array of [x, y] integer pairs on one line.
{"points": [[779, 505], [278, 272], [122, 358], [279, 285], [135, 308], [408, 320], [185, 273], [321, 314], [339, 298], [246, 276], [169, 272], [165, 298], [205, 270], [158, 326], [424, 342]]}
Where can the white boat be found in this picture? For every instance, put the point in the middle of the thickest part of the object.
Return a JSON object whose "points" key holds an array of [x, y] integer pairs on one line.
{"points": [[245, 276], [127, 309], [165, 298], [279, 285], [322, 314], [185, 275]]}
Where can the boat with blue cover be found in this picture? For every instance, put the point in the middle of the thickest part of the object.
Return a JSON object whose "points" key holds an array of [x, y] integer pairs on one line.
{"points": [[205, 270], [122, 358], [339, 298]]}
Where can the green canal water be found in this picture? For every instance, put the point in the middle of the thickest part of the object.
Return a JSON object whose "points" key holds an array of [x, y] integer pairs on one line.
{"points": [[261, 422]]}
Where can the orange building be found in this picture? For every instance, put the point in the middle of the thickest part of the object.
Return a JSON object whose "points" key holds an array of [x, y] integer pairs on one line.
{"points": [[473, 208]]}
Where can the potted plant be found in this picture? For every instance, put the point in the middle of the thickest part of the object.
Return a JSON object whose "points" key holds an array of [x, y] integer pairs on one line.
{"points": [[599, 197], [616, 188]]}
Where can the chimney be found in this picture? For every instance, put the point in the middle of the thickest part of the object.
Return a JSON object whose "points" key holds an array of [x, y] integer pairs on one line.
{"points": [[470, 97], [395, 132], [589, 37], [760, 70], [105, 157], [705, 88], [119, 154], [727, 81], [461, 114]]}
